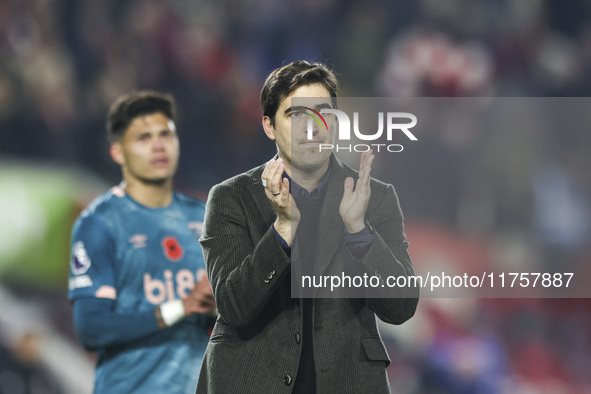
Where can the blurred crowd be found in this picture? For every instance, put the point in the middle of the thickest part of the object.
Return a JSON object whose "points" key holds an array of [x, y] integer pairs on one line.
{"points": [[63, 62]]}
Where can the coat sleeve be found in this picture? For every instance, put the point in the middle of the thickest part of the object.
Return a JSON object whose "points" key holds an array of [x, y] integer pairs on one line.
{"points": [[93, 259], [388, 258], [243, 272]]}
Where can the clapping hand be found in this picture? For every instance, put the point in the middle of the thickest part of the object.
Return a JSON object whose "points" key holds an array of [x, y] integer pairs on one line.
{"points": [[356, 196]]}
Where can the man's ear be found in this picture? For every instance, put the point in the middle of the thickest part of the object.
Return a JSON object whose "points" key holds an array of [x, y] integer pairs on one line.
{"points": [[268, 127], [116, 153]]}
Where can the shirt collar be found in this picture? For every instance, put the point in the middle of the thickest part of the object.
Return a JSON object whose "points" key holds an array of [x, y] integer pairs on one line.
{"points": [[319, 191]]}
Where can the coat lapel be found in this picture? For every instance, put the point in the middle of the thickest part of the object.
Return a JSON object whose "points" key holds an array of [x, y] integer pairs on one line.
{"points": [[257, 191]]}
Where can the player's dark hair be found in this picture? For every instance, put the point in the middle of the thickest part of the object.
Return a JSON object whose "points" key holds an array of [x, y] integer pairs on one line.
{"points": [[284, 80], [131, 105]]}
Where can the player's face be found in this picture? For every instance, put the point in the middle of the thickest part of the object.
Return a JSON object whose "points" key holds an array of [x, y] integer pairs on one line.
{"points": [[149, 149], [291, 126]]}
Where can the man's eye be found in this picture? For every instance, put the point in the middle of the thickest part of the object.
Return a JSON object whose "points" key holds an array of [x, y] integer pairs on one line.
{"points": [[296, 114], [144, 137]]}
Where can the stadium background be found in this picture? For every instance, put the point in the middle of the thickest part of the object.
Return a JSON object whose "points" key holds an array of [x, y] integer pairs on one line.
{"points": [[63, 62]]}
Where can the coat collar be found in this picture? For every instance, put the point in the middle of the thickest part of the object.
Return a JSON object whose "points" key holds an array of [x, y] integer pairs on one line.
{"points": [[257, 192]]}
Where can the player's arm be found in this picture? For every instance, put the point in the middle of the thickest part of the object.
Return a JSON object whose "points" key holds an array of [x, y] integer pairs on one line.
{"points": [[98, 325], [199, 301], [243, 275], [92, 290]]}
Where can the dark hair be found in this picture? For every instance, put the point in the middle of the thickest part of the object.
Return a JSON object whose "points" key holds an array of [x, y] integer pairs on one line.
{"points": [[131, 105], [284, 80]]}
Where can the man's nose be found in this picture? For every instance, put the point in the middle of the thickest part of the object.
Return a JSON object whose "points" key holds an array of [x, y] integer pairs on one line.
{"points": [[158, 144], [313, 127]]}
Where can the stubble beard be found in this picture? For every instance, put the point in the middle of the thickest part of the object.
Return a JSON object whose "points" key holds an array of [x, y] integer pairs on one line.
{"points": [[302, 166]]}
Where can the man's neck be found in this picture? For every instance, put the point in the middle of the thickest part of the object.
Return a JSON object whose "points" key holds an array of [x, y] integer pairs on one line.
{"points": [[306, 178], [151, 195]]}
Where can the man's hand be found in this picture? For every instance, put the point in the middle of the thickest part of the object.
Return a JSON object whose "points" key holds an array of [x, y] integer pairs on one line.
{"points": [[354, 202], [277, 191], [200, 299]]}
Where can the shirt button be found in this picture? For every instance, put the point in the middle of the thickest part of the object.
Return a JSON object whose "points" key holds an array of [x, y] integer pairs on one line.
{"points": [[266, 280], [287, 380], [298, 337]]}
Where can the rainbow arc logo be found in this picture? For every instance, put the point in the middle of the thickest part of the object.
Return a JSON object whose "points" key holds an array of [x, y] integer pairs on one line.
{"points": [[316, 118]]}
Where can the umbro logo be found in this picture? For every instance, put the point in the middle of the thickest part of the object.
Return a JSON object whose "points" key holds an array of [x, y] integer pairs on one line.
{"points": [[138, 240]]}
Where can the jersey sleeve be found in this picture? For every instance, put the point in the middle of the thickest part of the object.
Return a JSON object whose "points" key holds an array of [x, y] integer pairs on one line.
{"points": [[92, 260]]}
